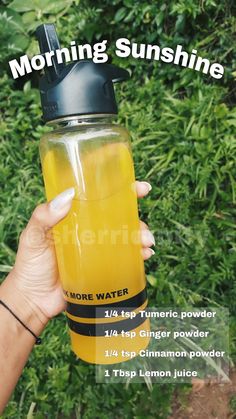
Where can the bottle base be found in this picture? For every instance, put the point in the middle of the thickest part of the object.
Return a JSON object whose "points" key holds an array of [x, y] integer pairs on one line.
{"points": [[111, 350]]}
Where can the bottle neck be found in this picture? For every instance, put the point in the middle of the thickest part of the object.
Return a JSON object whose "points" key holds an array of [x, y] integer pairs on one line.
{"points": [[71, 121]]}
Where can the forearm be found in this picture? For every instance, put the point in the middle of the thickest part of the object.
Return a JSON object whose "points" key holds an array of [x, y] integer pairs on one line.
{"points": [[16, 342]]}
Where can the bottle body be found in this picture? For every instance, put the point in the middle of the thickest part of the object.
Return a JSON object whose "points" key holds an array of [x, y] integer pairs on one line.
{"points": [[97, 244]]}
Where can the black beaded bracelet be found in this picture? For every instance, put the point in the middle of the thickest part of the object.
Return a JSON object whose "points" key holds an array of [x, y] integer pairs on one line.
{"points": [[38, 340]]}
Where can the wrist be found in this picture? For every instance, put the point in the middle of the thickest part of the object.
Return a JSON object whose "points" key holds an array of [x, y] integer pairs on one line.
{"points": [[21, 305]]}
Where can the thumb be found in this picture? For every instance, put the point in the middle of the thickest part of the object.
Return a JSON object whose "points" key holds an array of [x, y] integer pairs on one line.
{"points": [[44, 217]]}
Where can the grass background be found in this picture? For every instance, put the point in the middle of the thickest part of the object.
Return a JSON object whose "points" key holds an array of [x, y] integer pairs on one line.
{"points": [[183, 128]]}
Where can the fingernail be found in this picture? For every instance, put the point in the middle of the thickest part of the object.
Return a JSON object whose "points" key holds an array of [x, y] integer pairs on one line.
{"points": [[147, 186], [148, 237], [151, 251], [62, 199]]}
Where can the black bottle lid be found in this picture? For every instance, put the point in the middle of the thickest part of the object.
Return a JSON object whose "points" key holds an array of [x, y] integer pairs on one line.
{"points": [[79, 88]]}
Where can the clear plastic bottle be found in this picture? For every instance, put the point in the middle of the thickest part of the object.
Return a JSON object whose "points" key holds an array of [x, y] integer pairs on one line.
{"points": [[97, 244]]}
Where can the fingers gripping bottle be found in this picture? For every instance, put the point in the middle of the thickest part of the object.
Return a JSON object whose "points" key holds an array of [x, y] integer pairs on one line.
{"points": [[97, 244]]}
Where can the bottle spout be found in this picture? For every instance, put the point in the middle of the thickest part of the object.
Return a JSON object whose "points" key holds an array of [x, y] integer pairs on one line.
{"points": [[117, 74], [48, 41]]}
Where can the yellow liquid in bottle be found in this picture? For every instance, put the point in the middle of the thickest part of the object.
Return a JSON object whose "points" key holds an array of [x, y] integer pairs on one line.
{"points": [[98, 248]]}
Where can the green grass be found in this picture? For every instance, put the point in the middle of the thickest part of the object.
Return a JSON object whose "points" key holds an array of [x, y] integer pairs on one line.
{"points": [[183, 128]]}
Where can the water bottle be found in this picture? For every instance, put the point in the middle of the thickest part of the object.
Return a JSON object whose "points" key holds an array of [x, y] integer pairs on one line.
{"points": [[97, 244]]}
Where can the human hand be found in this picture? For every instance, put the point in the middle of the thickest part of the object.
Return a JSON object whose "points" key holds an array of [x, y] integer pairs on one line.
{"points": [[35, 273]]}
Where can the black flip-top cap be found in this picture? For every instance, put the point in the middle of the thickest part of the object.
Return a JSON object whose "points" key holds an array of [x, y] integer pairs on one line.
{"points": [[80, 88]]}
